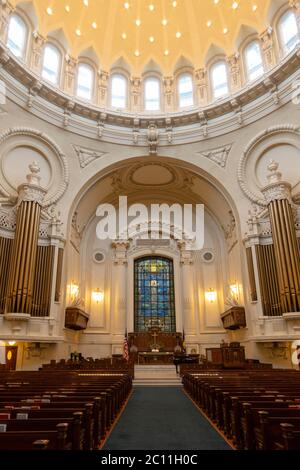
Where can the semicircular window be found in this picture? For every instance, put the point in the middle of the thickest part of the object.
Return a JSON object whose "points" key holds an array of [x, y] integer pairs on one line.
{"points": [[154, 298]]}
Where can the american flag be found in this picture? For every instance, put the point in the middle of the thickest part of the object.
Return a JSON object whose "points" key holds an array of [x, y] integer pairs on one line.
{"points": [[125, 348]]}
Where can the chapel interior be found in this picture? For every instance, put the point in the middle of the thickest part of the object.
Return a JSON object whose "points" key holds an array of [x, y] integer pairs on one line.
{"points": [[181, 103]]}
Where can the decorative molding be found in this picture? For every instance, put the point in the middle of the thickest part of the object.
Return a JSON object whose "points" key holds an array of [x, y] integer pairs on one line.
{"points": [[218, 155], [86, 156], [50, 103], [152, 138], [241, 174], [29, 132]]}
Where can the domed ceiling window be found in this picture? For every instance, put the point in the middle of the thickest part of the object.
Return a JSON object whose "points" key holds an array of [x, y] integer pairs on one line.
{"points": [[85, 82], [17, 36], [185, 91], [288, 31], [118, 91], [152, 94], [51, 64], [254, 62], [219, 80]]}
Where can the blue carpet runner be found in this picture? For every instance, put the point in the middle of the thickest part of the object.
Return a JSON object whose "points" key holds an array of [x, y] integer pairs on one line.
{"points": [[163, 419]]}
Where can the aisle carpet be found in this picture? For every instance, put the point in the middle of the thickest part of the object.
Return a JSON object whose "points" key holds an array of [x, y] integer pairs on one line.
{"points": [[165, 418]]}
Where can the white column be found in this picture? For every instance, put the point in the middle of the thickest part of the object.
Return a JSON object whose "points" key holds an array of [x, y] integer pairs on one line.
{"points": [[188, 299], [119, 320]]}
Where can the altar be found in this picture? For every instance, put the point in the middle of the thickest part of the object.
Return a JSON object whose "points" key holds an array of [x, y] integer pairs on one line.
{"points": [[154, 346], [155, 357]]}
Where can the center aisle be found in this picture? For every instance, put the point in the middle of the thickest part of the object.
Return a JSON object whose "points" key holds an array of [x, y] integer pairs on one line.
{"points": [[163, 418]]}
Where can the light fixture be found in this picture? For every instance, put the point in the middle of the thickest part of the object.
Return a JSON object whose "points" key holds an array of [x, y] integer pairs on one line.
{"points": [[68, 8], [164, 22], [178, 34], [225, 30], [74, 290], [151, 39], [137, 53], [98, 295], [166, 52], [234, 289], [211, 295], [235, 5], [151, 7], [11, 343], [124, 36], [126, 5], [94, 25], [49, 11], [78, 32], [138, 22], [174, 3], [86, 3], [209, 23], [254, 8]]}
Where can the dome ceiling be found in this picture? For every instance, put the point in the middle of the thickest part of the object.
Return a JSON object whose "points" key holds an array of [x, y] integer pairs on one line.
{"points": [[139, 32]]}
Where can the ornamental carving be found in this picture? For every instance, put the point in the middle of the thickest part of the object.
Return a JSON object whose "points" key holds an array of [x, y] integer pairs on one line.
{"points": [[152, 137], [87, 156], [267, 45], [218, 155], [62, 177], [241, 174]]}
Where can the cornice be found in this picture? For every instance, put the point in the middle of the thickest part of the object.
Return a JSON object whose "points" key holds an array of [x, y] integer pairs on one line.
{"points": [[252, 102]]}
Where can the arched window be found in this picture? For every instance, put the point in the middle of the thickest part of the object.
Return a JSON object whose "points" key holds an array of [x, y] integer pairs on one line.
{"points": [[152, 94], [51, 64], [185, 90], [118, 91], [17, 36], [85, 81], [254, 62], [154, 296], [219, 80], [288, 31]]}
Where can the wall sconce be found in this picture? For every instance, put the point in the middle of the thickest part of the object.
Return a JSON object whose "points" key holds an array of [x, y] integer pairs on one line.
{"points": [[211, 295], [74, 290], [11, 343], [97, 296], [234, 290]]}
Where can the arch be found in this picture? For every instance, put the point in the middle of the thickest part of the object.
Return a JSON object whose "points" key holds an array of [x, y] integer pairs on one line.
{"points": [[183, 63], [219, 79], [17, 35], [154, 279], [185, 89], [253, 60], [121, 65], [152, 67], [276, 6], [245, 32], [214, 52], [85, 82], [89, 55], [45, 139], [288, 31], [258, 139], [59, 38], [52, 63], [118, 91], [28, 9], [152, 93]]}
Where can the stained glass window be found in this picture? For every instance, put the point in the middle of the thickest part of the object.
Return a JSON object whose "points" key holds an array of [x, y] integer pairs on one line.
{"points": [[154, 298]]}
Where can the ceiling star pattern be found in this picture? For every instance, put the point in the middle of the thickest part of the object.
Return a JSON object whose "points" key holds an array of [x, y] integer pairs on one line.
{"points": [[143, 30]]}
